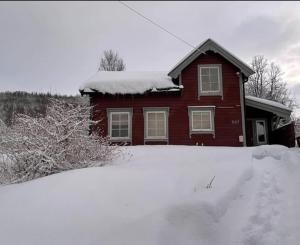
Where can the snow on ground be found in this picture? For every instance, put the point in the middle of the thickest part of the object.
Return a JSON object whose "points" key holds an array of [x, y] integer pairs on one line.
{"points": [[158, 195]]}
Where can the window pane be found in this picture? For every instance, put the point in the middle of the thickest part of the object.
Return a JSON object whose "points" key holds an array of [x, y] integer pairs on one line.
{"points": [[260, 128], [115, 117], [210, 79], [124, 126], [213, 71], [214, 86], [151, 116], [124, 117], [196, 125], [197, 116], [156, 124], [119, 125], [201, 120], [151, 123], [205, 84], [205, 115], [123, 122], [204, 71], [151, 132], [160, 116], [205, 79], [160, 124], [115, 127], [213, 79], [205, 125], [124, 133], [161, 132], [115, 133]]}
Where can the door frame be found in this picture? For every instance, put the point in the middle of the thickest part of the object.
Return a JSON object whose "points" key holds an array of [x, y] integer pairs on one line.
{"points": [[254, 141]]}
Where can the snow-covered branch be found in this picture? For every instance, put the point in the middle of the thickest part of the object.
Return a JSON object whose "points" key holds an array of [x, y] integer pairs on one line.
{"points": [[40, 146]]}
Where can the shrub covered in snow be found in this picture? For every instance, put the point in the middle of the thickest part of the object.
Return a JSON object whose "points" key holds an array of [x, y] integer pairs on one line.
{"points": [[40, 146]]}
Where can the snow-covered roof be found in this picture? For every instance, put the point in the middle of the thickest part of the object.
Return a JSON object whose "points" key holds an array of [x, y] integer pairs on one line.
{"points": [[128, 82], [209, 44], [268, 105], [268, 102]]}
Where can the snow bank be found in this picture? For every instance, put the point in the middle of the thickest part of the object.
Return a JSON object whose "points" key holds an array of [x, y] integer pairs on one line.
{"points": [[127, 82], [275, 151], [159, 195], [137, 200]]}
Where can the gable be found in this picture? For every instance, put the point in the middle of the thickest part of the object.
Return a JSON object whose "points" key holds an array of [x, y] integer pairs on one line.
{"points": [[209, 45]]}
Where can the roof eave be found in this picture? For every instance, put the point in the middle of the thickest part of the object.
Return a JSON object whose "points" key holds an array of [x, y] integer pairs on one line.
{"points": [[285, 113], [157, 90]]}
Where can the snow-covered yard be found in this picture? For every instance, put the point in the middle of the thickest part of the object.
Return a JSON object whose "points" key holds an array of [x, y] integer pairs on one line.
{"points": [[159, 195]]}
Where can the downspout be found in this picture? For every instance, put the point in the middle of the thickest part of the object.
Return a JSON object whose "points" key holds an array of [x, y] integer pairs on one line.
{"points": [[242, 101]]}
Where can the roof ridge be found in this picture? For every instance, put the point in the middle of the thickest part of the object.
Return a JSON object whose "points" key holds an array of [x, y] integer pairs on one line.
{"points": [[187, 59]]}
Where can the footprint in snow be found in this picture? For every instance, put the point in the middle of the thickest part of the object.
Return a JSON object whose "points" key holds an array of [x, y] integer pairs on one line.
{"points": [[266, 213]]}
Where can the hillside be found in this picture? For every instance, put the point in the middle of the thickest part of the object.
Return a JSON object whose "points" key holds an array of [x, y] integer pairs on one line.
{"points": [[31, 104], [159, 195]]}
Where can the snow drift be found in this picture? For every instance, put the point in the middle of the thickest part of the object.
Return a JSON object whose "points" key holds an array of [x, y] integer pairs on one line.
{"points": [[159, 195]]}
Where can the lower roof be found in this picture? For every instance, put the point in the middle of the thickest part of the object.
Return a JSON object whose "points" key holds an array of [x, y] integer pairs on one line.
{"points": [[128, 82], [268, 105]]}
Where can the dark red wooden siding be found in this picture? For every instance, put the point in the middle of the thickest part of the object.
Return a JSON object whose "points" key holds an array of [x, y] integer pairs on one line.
{"points": [[228, 119]]}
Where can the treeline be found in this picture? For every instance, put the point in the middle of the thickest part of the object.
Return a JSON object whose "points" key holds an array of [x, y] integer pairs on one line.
{"points": [[32, 104]]}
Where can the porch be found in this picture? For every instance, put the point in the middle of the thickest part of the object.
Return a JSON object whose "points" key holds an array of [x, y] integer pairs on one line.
{"points": [[268, 122]]}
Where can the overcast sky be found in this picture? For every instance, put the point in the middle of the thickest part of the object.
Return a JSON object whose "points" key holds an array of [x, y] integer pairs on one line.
{"points": [[55, 46]]}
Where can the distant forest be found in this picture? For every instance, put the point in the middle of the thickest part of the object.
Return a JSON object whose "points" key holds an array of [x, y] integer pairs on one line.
{"points": [[32, 104]]}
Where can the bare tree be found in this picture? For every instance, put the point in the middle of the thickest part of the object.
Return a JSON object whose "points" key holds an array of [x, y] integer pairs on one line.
{"points": [[267, 82], [111, 62], [256, 84]]}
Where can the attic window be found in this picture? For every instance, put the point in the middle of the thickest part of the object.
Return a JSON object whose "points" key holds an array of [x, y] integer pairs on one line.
{"points": [[210, 80]]}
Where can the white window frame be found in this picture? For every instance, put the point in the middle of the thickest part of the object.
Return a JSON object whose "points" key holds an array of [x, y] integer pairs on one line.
{"points": [[211, 110], [220, 80], [166, 115], [210, 117], [119, 111]]}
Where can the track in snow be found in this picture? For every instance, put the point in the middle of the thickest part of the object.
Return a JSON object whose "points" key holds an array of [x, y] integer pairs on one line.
{"points": [[263, 213], [262, 223]]}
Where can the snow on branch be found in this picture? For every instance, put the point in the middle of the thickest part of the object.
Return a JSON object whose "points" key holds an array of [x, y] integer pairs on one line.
{"points": [[39, 146]]}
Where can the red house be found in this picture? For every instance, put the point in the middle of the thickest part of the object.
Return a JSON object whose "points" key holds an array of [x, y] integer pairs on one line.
{"points": [[200, 101]]}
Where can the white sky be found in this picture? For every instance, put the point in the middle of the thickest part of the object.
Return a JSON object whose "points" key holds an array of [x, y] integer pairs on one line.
{"points": [[55, 46]]}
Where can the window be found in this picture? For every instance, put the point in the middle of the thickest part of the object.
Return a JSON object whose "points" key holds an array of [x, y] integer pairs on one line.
{"points": [[156, 124], [210, 80], [119, 124], [201, 119], [261, 132]]}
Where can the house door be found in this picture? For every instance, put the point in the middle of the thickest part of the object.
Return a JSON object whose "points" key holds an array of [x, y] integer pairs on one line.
{"points": [[261, 132]]}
